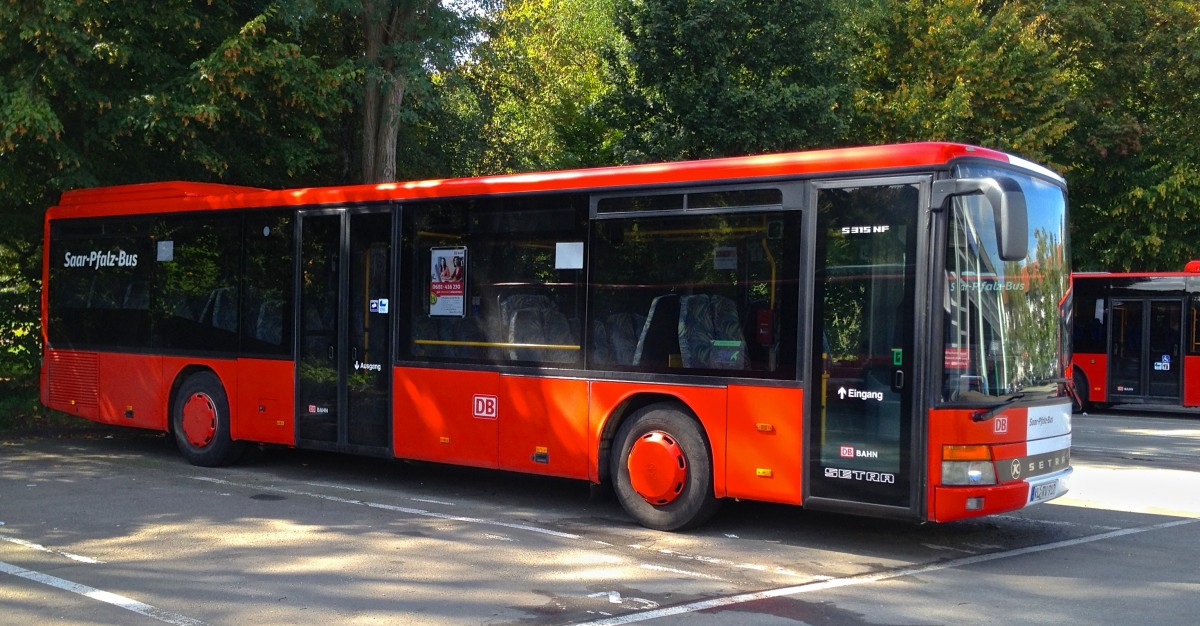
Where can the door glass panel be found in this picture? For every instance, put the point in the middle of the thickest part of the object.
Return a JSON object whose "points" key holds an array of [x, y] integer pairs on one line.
{"points": [[863, 339], [1125, 368], [1163, 362], [369, 313], [317, 367]]}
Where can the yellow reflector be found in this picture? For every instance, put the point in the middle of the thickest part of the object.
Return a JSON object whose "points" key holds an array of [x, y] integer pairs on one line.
{"points": [[443, 439], [966, 453], [763, 472]]}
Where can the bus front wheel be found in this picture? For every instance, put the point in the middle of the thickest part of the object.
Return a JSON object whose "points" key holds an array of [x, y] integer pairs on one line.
{"points": [[662, 469], [200, 422]]}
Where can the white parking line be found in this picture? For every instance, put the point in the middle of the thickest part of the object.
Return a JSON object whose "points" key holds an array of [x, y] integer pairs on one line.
{"points": [[873, 578], [723, 563], [40, 547], [333, 486], [119, 601], [681, 572]]}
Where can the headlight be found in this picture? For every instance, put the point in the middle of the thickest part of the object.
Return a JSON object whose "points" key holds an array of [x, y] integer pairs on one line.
{"points": [[968, 473]]}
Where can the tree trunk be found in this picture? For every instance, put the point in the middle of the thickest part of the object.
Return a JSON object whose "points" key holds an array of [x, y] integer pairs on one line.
{"points": [[384, 22], [389, 132]]}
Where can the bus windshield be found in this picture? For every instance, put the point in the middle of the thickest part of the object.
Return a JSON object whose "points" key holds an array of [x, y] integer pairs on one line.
{"points": [[1004, 321]]}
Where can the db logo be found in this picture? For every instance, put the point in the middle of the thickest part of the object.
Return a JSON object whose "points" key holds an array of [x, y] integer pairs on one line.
{"points": [[485, 407], [847, 452], [1000, 425]]}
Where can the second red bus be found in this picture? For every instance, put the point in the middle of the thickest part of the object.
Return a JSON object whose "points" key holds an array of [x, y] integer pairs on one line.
{"points": [[1137, 339]]}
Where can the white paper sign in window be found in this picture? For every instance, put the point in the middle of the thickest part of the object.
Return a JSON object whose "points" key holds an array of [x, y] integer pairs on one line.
{"points": [[568, 255]]}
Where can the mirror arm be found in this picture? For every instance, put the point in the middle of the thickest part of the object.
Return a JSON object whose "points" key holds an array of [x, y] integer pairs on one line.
{"points": [[1008, 207]]}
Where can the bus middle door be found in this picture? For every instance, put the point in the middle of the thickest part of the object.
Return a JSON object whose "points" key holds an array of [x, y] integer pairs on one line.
{"points": [[343, 369], [1144, 351]]}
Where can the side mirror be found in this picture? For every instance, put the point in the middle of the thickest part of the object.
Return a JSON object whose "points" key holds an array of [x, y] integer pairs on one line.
{"points": [[1008, 207]]}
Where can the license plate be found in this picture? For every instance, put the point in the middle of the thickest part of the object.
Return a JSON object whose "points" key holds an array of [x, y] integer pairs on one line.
{"points": [[1044, 491]]}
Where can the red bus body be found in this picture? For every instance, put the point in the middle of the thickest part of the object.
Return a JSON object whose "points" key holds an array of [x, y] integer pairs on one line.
{"points": [[1137, 339], [482, 400]]}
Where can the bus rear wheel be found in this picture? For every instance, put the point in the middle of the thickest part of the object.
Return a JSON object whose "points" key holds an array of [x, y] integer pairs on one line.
{"points": [[200, 422], [662, 469], [1082, 391]]}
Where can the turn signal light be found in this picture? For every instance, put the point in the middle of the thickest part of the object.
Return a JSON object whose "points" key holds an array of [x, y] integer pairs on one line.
{"points": [[966, 453]]}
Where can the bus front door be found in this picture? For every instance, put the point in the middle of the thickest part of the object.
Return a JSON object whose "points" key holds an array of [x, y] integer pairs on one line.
{"points": [[343, 372], [1144, 351], [859, 447]]}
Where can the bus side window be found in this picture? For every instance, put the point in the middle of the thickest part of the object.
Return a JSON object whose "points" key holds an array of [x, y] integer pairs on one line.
{"points": [[196, 297], [520, 302], [268, 282], [94, 304], [719, 292]]}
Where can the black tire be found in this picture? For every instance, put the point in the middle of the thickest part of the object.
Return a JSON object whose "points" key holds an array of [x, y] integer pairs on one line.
{"points": [[694, 503], [200, 422], [1080, 382]]}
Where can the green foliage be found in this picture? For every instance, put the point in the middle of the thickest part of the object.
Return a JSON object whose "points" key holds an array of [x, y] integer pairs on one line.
{"points": [[20, 344], [528, 96], [446, 135], [257, 107], [956, 71], [702, 78], [1133, 156], [111, 92], [19, 323]]}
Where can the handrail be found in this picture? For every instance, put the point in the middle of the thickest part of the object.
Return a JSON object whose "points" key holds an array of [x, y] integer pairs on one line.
{"points": [[496, 344]]}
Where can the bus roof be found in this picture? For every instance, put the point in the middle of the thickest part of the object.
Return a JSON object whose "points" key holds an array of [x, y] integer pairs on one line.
{"points": [[187, 196], [1191, 268]]}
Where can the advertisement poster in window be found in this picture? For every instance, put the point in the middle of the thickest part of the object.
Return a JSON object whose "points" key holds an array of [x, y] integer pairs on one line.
{"points": [[447, 282]]}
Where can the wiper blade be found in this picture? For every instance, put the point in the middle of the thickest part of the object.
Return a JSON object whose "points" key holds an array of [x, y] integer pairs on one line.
{"points": [[983, 416]]}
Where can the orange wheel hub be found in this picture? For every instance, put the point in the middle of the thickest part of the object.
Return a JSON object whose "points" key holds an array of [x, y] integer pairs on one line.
{"points": [[199, 420], [657, 468]]}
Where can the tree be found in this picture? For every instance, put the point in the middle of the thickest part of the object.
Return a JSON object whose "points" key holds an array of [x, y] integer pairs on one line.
{"points": [[536, 83], [1133, 158], [403, 41], [702, 79], [957, 70], [110, 93]]}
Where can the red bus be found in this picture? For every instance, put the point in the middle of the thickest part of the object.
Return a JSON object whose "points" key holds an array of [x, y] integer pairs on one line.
{"points": [[873, 330], [1137, 339]]}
